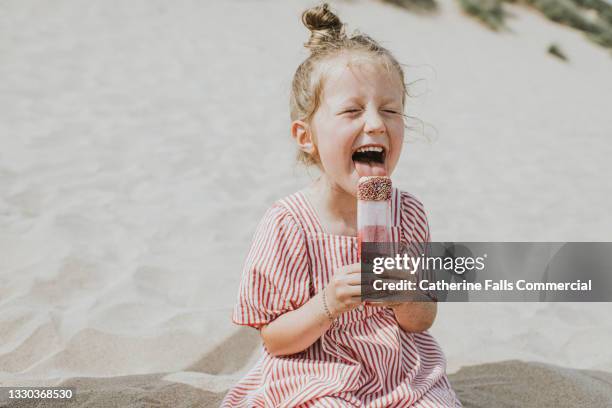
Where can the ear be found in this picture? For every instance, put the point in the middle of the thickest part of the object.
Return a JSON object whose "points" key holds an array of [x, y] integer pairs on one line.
{"points": [[303, 136]]}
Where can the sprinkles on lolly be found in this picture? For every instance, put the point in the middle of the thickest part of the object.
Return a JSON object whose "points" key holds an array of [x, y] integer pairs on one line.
{"points": [[374, 188]]}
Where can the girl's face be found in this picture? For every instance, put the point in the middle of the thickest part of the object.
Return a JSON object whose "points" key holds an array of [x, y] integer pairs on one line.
{"points": [[358, 129]]}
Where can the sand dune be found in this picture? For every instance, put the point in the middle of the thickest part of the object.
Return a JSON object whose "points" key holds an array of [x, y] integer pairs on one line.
{"points": [[141, 142]]}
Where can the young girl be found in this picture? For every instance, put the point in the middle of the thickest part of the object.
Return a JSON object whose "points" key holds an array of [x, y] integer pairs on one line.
{"points": [[301, 283]]}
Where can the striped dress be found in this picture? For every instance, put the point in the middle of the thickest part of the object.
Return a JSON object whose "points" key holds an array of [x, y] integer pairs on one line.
{"points": [[364, 359]]}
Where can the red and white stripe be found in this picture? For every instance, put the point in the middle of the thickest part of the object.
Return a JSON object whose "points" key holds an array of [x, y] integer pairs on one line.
{"points": [[365, 359]]}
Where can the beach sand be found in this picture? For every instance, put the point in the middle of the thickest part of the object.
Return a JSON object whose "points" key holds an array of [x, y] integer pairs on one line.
{"points": [[141, 143], [508, 384]]}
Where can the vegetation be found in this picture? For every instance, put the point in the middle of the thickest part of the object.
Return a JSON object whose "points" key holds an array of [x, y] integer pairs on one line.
{"points": [[593, 17], [573, 14], [555, 50], [601, 7], [488, 12], [422, 6]]}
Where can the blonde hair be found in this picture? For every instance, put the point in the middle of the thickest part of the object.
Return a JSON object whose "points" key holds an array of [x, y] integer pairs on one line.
{"points": [[328, 40]]}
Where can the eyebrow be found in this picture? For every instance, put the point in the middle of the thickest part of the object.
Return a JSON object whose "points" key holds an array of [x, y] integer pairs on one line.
{"points": [[347, 101], [357, 100], [391, 100]]}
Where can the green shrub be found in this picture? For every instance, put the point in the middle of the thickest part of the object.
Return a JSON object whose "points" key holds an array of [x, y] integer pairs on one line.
{"points": [[489, 12], [555, 50], [571, 13], [421, 6], [603, 9]]}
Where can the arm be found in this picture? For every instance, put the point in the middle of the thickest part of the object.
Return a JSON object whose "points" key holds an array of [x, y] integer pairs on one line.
{"points": [[415, 316], [412, 316], [298, 329]]}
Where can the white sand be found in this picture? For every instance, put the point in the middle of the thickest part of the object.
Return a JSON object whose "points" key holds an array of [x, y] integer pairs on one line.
{"points": [[142, 141]]}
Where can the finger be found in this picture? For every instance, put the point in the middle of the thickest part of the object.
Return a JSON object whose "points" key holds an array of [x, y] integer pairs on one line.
{"points": [[395, 274], [354, 291], [353, 269], [383, 303], [355, 300], [374, 303], [353, 280]]}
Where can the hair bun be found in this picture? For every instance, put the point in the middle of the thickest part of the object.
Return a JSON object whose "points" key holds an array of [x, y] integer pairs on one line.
{"points": [[324, 26]]}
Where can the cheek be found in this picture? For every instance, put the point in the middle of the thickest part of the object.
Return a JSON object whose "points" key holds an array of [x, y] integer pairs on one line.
{"points": [[336, 144], [325, 146], [397, 128], [397, 141], [329, 154], [397, 154]]}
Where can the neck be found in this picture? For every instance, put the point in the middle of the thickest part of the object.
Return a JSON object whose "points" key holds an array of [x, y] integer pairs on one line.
{"points": [[336, 207]]}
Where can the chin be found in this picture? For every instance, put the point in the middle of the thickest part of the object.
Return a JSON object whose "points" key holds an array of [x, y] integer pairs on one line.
{"points": [[354, 184], [349, 186]]}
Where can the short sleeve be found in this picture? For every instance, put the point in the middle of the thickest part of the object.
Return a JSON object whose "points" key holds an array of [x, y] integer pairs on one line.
{"points": [[414, 220], [275, 278], [416, 228]]}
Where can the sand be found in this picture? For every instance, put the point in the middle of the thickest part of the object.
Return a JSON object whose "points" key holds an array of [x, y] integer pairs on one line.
{"points": [[141, 142], [509, 384]]}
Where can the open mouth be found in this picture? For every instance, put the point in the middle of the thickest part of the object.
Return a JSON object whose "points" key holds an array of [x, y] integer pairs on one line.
{"points": [[370, 160], [370, 154]]}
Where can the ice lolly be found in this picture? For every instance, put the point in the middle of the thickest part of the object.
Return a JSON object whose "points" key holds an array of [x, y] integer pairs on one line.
{"points": [[374, 209], [373, 217]]}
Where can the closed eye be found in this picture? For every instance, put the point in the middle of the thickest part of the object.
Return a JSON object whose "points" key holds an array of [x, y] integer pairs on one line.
{"points": [[351, 111], [394, 112]]}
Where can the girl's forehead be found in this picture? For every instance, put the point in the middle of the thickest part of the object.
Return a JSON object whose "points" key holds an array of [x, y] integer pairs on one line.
{"points": [[353, 77]]}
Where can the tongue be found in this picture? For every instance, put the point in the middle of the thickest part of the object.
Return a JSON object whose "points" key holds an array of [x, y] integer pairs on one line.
{"points": [[370, 169]]}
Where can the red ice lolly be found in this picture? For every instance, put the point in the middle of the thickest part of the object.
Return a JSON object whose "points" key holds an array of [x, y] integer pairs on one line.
{"points": [[374, 209], [374, 212]]}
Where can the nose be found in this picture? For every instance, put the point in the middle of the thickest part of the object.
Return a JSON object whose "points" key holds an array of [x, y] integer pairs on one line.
{"points": [[374, 124]]}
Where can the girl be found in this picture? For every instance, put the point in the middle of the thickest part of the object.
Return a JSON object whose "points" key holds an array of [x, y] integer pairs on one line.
{"points": [[301, 283]]}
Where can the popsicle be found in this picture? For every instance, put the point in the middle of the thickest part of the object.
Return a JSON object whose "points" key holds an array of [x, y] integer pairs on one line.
{"points": [[374, 209], [374, 217]]}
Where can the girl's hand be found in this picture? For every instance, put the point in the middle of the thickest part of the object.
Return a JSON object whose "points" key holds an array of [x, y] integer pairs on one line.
{"points": [[343, 292], [389, 304], [398, 302]]}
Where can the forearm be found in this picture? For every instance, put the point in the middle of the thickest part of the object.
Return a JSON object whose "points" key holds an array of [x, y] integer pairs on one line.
{"points": [[297, 330], [415, 317]]}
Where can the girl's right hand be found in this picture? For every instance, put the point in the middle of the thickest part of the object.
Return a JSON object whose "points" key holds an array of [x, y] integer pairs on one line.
{"points": [[343, 292]]}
